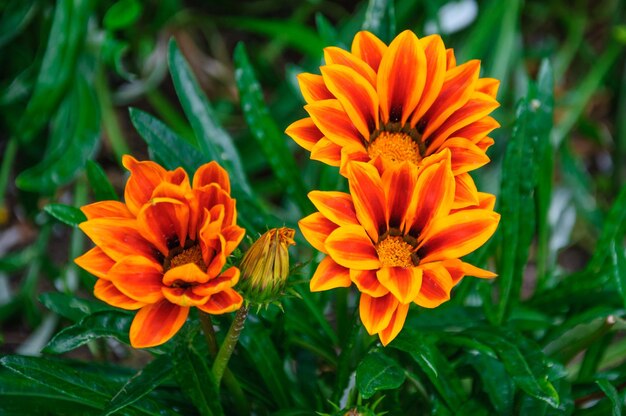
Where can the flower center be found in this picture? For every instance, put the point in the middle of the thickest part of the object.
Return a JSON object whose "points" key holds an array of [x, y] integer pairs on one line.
{"points": [[396, 143], [395, 251], [179, 256]]}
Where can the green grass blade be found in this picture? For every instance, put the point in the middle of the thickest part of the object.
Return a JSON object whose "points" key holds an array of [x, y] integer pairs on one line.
{"points": [[611, 393]]}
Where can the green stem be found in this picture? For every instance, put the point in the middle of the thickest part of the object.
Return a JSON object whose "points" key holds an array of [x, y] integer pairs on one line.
{"points": [[227, 348], [5, 171], [109, 118], [209, 333]]}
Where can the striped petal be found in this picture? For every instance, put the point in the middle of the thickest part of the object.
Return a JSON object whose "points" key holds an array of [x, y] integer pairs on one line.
{"points": [[188, 273], [466, 156], [107, 292], [313, 87], [227, 279], [334, 55], [333, 122], [183, 296], [96, 262], [336, 206], [478, 129], [305, 133], [329, 275], [450, 59], [350, 247], [376, 313], [436, 286], [366, 188], [395, 325], [316, 228], [327, 152], [488, 86], [138, 278], [211, 173], [404, 283], [105, 209], [435, 74], [155, 324], [400, 184], [228, 300], [459, 269], [367, 282], [144, 177], [368, 48], [118, 237], [164, 222], [466, 194]]}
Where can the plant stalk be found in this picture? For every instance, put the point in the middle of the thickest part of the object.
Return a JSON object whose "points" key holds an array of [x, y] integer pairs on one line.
{"points": [[227, 348]]}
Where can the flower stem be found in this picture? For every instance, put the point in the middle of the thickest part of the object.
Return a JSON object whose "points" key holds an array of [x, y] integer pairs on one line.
{"points": [[227, 348], [209, 333]]}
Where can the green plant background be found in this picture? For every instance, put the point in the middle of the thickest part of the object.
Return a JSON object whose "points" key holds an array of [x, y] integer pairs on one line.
{"points": [[216, 81]]}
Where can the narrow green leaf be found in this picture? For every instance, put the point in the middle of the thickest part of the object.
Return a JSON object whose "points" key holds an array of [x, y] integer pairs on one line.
{"points": [[101, 186], [122, 13], [264, 129], [618, 266], [72, 307], [611, 393], [147, 379], [15, 17], [327, 31], [612, 229], [380, 19], [114, 324], [69, 215], [378, 372]]}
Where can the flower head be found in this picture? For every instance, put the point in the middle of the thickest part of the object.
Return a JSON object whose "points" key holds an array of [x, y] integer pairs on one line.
{"points": [[402, 102], [163, 250], [265, 266], [397, 237]]}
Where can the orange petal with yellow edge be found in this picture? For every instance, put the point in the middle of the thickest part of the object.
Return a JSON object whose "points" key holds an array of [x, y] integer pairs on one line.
{"points": [[164, 222], [228, 300], [233, 235], [327, 152], [366, 188], [486, 201], [313, 87], [403, 283], [466, 194], [138, 278], [357, 96], [211, 173], [144, 177], [401, 78], [436, 286], [352, 154], [435, 74], [228, 278], [155, 324], [488, 86], [185, 273], [395, 325], [316, 228], [183, 296], [106, 209], [376, 313], [450, 59], [367, 282], [368, 48], [118, 237], [350, 247], [458, 234], [329, 275], [459, 269], [399, 182], [330, 117], [466, 156], [96, 262], [304, 132], [335, 55], [336, 206], [107, 292], [478, 129], [485, 143]]}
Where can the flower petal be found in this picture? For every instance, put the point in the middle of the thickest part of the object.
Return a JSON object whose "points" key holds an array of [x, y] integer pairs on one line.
{"points": [[436, 286], [435, 74], [185, 273], [107, 292], [478, 129], [138, 278], [96, 262], [209, 173], [304, 132], [395, 325], [155, 324], [232, 235], [400, 184], [458, 234], [488, 86], [327, 152], [367, 282], [466, 156], [316, 228], [330, 117], [404, 283], [227, 279], [205, 199], [450, 59], [350, 247], [368, 48], [356, 95], [144, 177], [466, 194], [164, 222], [118, 237], [366, 188], [485, 143], [459, 269], [183, 296], [376, 313], [335, 55], [228, 300], [313, 87], [105, 209], [329, 275], [401, 78], [336, 206]]}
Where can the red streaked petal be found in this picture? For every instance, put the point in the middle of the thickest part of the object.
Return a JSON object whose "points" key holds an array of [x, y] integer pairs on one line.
{"points": [[215, 256], [96, 262], [316, 228], [187, 273], [356, 95], [401, 78], [436, 286], [488, 86], [404, 283], [486, 201], [327, 152], [450, 59], [335, 55], [333, 122], [138, 278], [366, 188], [466, 156], [164, 222], [352, 154], [118, 237], [395, 325], [435, 74], [485, 143], [458, 234], [313, 87], [107, 292], [466, 194], [400, 184], [368, 48], [105, 209], [228, 300], [183, 296], [144, 177], [367, 282], [376, 313], [155, 324], [329, 275], [207, 198], [336, 206], [350, 247], [478, 129], [209, 173], [305, 133], [227, 279], [459, 269], [233, 236]]}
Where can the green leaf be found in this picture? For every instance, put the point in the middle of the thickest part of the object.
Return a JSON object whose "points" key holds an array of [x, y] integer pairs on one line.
{"points": [[71, 216], [98, 325], [380, 19], [378, 372], [264, 129], [618, 265], [122, 14], [100, 185], [326, 30], [147, 379], [15, 17], [611, 393], [195, 378], [72, 307], [495, 381], [612, 229]]}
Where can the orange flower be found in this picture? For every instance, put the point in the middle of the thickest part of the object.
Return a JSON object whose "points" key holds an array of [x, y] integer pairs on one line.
{"points": [[402, 102], [163, 251], [397, 238]]}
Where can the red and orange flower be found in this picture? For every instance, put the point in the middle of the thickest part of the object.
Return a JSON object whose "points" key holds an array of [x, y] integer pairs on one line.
{"points": [[163, 250], [402, 102], [397, 237]]}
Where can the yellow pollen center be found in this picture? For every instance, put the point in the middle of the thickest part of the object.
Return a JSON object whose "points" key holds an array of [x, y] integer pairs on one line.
{"points": [[192, 254], [395, 146], [393, 251]]}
